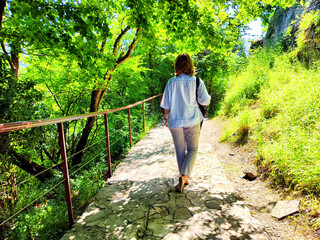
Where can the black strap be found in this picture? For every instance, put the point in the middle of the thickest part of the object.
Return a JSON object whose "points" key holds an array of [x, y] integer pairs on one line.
{"points": [[197, 86]]}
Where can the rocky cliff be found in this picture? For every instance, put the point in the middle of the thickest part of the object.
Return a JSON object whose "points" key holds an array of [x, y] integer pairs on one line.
{"points": [[284, 19], [284, 29]]}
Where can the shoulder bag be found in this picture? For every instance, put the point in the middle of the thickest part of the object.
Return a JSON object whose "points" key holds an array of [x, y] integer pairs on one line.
{"points": [[203, 109]]}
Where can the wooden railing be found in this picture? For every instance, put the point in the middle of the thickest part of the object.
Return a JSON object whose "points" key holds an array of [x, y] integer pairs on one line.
{"points": [[14, 126]]}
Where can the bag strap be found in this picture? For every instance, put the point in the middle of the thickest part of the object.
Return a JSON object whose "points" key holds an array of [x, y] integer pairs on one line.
{"points": [[197, 86]]}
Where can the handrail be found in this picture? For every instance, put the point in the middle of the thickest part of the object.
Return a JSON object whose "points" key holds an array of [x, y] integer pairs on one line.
{"points": [[13, 126]]}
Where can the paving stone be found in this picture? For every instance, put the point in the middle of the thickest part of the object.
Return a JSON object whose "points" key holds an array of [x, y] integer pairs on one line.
{"points": [[182, 213], [214, 204], [158, 212], [183, 202], [160, 227]]}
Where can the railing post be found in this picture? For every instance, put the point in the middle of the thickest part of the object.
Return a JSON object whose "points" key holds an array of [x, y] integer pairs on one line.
{"points": [[108, 144], [63, 153], [129, 127], [152, 105], [144, 124]]}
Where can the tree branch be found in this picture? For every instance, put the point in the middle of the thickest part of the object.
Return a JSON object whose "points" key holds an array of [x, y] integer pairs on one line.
{"points": [[29, 166], [103, 45], [130, 50], [122, 58], [7, 56], [2, 7], [55, 99], [116, 43]]}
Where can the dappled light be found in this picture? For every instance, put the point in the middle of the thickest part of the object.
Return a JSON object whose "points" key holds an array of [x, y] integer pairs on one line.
{"points": [[86, 85], [140, 201]]}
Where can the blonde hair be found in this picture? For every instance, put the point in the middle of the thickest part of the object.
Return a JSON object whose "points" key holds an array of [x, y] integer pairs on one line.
{"points": [[184, 65]]}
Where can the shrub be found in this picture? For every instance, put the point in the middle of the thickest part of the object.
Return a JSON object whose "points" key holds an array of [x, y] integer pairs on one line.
{"points": [[244, 87]]}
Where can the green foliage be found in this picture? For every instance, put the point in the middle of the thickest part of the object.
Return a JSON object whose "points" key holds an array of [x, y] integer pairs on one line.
{"points": [[238, 130], [284, 119], [213, 68], [73, 48], [308, 20], [47, 220], [245, 85], [16, 96]]}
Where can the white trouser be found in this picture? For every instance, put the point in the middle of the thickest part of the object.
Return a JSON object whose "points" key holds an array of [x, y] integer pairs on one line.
{"points": [[186, 141]]}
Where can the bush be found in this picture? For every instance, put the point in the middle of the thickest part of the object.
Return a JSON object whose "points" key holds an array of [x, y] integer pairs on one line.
{"points": [[244, 87]]}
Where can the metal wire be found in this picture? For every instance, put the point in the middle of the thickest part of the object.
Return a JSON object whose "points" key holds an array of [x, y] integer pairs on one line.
{"points": [[90, 145], [31, 203], [96, 156], [87, 163], [32, 177], [86, 148], [134, 121]]}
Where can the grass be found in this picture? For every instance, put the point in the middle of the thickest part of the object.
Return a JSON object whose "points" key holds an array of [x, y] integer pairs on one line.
{"points": [[277, 110]]}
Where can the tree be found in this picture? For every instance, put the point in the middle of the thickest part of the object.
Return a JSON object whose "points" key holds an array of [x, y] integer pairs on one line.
{"points": [[99, 36]]}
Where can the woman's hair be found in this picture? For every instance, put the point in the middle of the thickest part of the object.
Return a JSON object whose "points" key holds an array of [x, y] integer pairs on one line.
{"points": [[183, 64]]}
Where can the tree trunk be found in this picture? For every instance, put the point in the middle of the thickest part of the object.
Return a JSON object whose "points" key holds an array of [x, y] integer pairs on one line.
{"points": [[97, 95], [96, 98], [15, 50], [30, 167], [153, 87]]}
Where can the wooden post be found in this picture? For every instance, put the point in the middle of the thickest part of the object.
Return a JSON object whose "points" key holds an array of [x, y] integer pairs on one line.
{"points": [[129, 127], [63, 153], [144, 124], [108, 144]]}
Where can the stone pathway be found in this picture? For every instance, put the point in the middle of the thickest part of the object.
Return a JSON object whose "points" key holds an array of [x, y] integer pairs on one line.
{"points": [[140, 202]]}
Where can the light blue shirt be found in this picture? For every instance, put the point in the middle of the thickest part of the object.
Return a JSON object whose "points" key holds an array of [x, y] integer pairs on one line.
{"points": [[180, 98]]}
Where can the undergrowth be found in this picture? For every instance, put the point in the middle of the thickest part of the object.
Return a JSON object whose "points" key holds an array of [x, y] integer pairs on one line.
{"points": [[275, 101]]}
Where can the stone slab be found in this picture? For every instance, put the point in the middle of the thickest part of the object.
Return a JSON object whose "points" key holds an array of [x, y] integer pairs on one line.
{"points": [[283, 209]]}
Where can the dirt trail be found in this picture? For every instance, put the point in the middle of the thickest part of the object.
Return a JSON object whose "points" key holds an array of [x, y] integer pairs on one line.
{"points": [[257, 193]]}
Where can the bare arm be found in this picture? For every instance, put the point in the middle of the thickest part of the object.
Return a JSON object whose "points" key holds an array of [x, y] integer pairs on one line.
{"points": [[166, 114]]}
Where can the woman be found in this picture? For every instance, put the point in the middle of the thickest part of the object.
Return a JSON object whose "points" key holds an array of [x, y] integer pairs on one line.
{"points": [[183, 116]]}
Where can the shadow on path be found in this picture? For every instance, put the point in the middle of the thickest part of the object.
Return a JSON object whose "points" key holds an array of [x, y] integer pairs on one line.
{"points": [[139, 201]]}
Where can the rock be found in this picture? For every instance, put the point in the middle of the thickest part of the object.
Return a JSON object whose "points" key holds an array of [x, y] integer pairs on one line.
{"points": [[250, 172], [285, 208], [256, 44], [283, 19], [183, 202], [158, 212]]}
